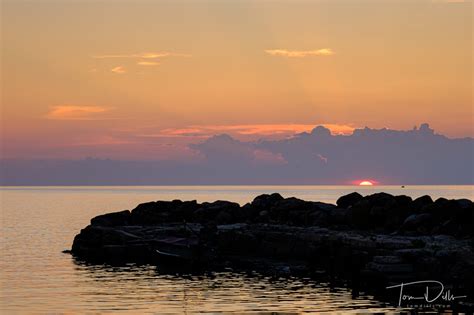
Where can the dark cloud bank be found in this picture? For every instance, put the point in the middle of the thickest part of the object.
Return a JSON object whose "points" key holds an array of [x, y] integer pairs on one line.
{"points": [[417, 156]]}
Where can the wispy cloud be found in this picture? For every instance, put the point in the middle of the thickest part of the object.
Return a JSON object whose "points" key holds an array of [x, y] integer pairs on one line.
{"points": [[300, 53], [74, 112], [146, 55], [118, 70], [148, 63]]}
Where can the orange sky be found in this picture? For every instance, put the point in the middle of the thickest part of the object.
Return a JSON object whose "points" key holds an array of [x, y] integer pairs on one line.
{"points": [[103, 78]]}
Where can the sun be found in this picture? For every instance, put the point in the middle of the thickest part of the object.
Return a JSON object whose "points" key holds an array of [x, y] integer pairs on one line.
{"points": [[366, 183]]}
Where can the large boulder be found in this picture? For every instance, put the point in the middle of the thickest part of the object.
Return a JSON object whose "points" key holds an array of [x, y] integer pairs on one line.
{"points": [[464, 203], [381, 200], [113, 244], [421, 202], [360, 215], [224, 217], [112, 219], [93, 237], [209, 211], [418, 222], [247, 213], [348, 200], [403, 201], [265, 201], [388, 212], [338, 216], [291, 211], [319, 218], [293, 203], [157, 212]]}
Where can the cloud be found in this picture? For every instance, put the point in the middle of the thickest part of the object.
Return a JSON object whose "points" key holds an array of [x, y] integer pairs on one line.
{"points": [[73, 112], [267, 157], [300, 53], [148, 63], [146, 55], [100, 140], [118, 70], [248, 131]]}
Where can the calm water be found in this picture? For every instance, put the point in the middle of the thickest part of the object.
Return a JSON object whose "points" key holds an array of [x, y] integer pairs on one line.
{"points": [[39, 222]]}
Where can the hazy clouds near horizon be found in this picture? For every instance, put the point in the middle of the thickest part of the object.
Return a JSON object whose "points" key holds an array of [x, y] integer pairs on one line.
{"points": [[418, 156]]}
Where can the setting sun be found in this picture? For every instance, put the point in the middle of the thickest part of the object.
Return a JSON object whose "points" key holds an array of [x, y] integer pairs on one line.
{"points": [[366, 183]]}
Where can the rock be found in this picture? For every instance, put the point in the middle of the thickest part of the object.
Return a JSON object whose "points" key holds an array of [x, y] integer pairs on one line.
{"points": [[390, 268], [319, 218], [413, 254], [278, 231], [246, 213], [209, 211], [360, 214], [324, 206], [224, 217], [112, 219], [348, 200], [338, 216], [265, 202], [291, 211], [299, 217], [157, 212], [381, 200], [292, 203], [98, 236], [420, 202], [387, 259], [417, 221], [464, 203], [395, 216], [441, 200], [263, 216], [403, 201]]}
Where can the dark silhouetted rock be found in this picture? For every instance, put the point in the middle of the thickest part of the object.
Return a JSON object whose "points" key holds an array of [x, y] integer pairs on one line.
{"points": [[403, 201], [292, 203], [338, 216], [324, 206], [224, 217], [360, 214], [112, 219], [209, 211], [417, 221], [379, 235], [381, 200], [156, 212], [348, 200], [464, 203], [320, 218], [420, 202], [265, 202]]}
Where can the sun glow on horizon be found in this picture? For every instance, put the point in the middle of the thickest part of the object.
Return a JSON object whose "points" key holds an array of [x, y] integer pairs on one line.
{"points": [[366, 183]]}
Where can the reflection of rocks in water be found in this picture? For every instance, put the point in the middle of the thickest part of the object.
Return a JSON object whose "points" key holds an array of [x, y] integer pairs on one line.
{"points": [[369, 241], [147, 287]]}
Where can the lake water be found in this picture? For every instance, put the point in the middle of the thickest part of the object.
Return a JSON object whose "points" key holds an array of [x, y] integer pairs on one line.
{"points": [[37, 223]]}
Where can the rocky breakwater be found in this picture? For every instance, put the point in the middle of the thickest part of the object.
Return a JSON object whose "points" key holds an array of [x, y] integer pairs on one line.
{"points": [[370, 241]]}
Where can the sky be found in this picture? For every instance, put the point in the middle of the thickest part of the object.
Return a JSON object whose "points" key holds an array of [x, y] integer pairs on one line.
{"points": [[143, 80]]}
